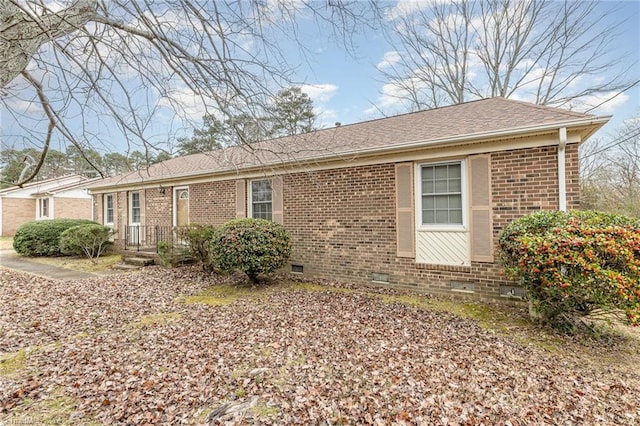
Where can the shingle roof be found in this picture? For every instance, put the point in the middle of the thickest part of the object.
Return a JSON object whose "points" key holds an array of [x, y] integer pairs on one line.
{"points": [[53, 184], [476, 118]]}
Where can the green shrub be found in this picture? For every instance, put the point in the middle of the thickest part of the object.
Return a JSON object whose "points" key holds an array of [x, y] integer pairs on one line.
{"points": [[253, 246], [42, 237], [170, 256], [201, 239], [89, 239], [572, 263]]}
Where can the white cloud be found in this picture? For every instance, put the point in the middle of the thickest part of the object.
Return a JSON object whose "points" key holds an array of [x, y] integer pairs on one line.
{"points": [[186, 104], [604, 103], [389, 59], [325, 117], [394, 96], [274, 11], [319, 92], [21, 106], [405, 8]]}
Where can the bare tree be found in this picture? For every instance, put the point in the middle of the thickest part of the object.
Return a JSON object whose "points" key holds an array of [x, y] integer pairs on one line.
{"points": [[543, 51], [121, 65], [610, 172]]}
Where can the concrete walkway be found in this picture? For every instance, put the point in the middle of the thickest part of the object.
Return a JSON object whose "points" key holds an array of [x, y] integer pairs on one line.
{"points": [[10, 259]]}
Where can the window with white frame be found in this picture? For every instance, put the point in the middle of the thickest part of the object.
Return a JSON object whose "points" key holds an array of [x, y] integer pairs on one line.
{"points": [[43, 208], [135, 207], [108, 209], [261, 199], [442, 197]]}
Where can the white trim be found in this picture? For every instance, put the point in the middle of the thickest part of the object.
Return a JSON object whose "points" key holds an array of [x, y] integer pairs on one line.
{"points": [[104, 209], [131, 222], [250, 193], [39, 215], [174, 219], [464, 197], [562, 173], [306, 166]]}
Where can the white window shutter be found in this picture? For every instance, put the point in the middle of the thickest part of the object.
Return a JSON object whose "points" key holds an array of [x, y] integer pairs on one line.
{"points": [[481, 222], [277, 199], [405, 234], [241, 198]]}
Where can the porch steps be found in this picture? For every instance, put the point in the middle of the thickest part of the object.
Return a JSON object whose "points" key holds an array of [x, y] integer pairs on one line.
{"points": [[138, 261], [125, 267]]}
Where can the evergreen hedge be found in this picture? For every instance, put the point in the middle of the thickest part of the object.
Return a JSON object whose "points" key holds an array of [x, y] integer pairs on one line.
{"points": [[253, 246], [42, 237]]}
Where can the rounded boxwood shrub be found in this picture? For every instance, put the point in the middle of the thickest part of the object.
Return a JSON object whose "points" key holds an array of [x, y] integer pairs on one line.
{"points": [[89, 239], [253, 246], [42, 237], [572, 263]]}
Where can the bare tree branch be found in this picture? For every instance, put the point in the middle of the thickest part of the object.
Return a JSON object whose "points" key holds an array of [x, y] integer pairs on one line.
{"points": [[112, 70], [544, 51]]}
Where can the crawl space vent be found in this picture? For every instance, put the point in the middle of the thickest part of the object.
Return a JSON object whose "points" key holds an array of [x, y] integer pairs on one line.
{"points": [[297, 269], [512, 291], [380, 278], [462, 286]]}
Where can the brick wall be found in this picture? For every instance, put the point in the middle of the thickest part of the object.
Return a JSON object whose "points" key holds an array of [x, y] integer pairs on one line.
{"points": [[212, 203], [343, 221], [72, 208], [15, 212], [159, 207], [98, 208], [526, 180], [121, 217]]}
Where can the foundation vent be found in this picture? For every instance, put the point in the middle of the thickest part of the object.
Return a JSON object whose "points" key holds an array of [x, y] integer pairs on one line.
{"points": [[512, 291], [297, 269], [465, 286], [379, 278]]}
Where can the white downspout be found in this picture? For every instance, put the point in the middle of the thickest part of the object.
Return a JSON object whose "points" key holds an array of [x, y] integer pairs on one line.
{"points": [[562, 173]]}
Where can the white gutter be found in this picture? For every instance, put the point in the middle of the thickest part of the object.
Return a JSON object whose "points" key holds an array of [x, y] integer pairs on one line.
{"points": [[562, 173]]}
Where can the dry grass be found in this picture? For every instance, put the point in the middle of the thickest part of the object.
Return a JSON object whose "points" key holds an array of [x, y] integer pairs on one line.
{"points": [[81, 263], [6, 243]]}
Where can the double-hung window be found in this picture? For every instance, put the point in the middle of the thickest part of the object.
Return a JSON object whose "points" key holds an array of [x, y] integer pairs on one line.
{"points": [[261, 199], [43, 208], [135, 207], [108, 209], [442, 202]]}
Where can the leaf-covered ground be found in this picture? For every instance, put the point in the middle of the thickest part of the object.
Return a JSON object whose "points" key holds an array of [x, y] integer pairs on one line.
{"points": [[172, 346]]}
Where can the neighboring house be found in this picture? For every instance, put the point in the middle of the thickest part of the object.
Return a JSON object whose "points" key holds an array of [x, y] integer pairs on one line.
{"points": [[54, 198], [414, 201]]}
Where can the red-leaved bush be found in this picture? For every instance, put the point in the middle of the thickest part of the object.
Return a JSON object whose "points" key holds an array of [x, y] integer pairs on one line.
{"points": [[572, 263]]}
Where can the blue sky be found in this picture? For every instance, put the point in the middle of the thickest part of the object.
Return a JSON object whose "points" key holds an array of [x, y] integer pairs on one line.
{"points": [[345, 87], [352, 86]]}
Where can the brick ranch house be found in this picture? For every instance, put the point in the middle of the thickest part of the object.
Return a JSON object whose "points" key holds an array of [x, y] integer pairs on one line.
{"points": [[414, 201], [54, 198]]}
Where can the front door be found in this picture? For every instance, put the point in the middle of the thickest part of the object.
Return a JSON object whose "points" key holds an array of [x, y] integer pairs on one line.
{"points": [[182, 207]]}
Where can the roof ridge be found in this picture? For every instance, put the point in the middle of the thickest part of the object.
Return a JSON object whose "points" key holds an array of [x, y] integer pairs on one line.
{"points": [[546, 107], [480, 117]]}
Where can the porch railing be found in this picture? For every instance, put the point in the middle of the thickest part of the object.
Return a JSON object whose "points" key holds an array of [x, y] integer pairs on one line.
{"points": [[146, 238]]}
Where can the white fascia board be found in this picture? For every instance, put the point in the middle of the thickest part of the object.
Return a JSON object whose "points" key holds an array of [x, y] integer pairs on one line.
{"points": [[412, 146]]}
